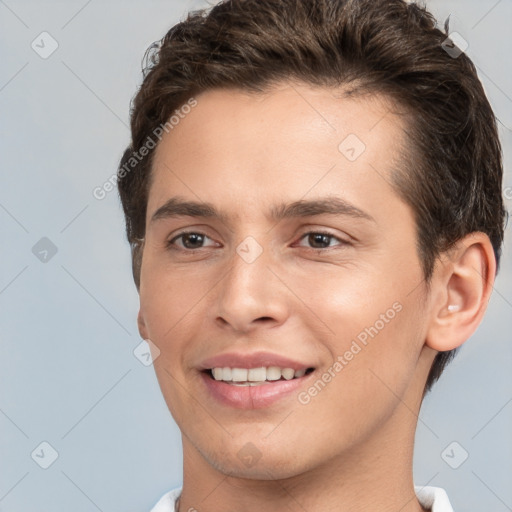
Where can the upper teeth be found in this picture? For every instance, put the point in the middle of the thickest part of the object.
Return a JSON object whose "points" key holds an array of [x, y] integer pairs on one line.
{"points": [[255, 374]]}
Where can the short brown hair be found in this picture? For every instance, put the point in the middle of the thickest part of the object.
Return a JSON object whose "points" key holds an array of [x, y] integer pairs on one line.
{"points": [[452, 180]]}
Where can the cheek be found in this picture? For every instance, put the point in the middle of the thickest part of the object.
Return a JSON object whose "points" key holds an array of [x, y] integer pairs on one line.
{"points": [[347, 300], [380, 351], [171, 302], [373, 363], [169, 297], [368, 318]]}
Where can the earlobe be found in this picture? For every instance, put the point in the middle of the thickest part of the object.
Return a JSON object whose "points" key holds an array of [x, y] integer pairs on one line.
{"points": [[463, 288], [141, 323]]}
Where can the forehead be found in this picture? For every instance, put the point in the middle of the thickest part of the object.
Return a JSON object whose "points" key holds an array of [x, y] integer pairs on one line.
{"points": [[294, 140]]}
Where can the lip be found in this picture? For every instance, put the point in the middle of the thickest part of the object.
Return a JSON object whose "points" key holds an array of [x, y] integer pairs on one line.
{"points": [[254, 360], [252, 397]]}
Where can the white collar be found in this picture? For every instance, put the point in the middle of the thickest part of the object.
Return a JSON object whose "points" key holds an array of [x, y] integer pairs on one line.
{"points": [[434, 499]]}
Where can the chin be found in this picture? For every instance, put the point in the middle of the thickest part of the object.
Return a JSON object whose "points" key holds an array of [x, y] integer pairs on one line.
{"points": [[261, 471], [251, 463]]}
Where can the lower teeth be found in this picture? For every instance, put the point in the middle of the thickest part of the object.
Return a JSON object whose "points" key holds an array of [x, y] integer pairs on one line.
{"points": [[248, 383]]}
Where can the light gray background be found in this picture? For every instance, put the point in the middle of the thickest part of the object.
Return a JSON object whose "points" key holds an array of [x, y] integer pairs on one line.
{"points": [[68, 331]]}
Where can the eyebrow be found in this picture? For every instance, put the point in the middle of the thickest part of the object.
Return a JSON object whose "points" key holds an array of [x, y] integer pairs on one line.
{"points": [[177, 206]]}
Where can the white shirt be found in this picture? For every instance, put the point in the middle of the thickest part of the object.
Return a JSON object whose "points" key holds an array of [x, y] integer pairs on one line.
{"points": [[434, 499]]}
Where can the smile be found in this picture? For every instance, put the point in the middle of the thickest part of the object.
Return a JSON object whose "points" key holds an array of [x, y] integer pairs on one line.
{"points": [[254, 388], [256, 376]]}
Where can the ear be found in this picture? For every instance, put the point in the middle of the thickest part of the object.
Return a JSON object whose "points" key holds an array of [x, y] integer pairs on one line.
{"points": [[141, 323], [460, 289]]}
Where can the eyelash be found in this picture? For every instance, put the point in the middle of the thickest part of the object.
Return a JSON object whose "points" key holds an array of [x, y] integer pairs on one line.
{"points": [[170, 243]]}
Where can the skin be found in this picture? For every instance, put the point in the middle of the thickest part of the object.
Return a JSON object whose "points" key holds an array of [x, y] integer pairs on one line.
{"points": [[351, 446]]}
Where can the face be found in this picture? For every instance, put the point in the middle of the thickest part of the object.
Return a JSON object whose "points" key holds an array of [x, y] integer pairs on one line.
{"points": [[301, 281]]}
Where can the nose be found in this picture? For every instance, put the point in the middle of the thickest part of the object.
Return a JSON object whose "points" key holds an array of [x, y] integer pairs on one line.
{"points": [[250, 293]]}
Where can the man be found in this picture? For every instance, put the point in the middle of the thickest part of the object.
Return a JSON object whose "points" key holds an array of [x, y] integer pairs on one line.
{"points": [[313, 199]]}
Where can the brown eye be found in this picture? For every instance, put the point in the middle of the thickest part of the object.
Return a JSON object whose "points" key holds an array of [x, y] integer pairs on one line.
{"points": [[321, 240], [190, 240]]}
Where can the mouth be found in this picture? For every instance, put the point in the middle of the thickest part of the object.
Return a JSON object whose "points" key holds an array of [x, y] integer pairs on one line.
{"points": [[255, 380], [255, 388], [255, 376]]}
